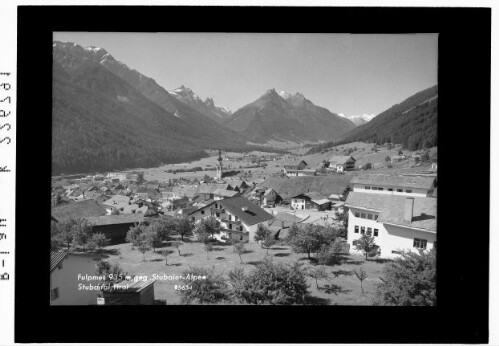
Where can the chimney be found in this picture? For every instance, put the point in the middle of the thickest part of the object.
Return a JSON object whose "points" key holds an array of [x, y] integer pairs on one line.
{"points": [[409, 208], [244, 208]]}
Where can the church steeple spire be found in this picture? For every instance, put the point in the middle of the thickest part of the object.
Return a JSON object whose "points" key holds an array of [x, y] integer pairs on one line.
{"points": [[219, 166]]}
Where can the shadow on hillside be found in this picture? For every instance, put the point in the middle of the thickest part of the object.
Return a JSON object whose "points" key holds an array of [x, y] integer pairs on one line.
{"points": [[355, 262], [335, 289], [220, 258], [187, 254], [311, 300], [279, 248], [110, 252], [381, 260], [342, 272], [283, 254], [254, 263], [156, 260]]}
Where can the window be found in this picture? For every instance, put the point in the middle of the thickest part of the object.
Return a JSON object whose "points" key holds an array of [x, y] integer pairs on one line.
{"points": [[390, 189], [54, 294], [380, 188], [369, 231], [357, 214], [363, 215], [420, 243], [241, 228], [59, 266], [375, 216], [408, 191], [375, 232], [362, 230], [202, 212], [368, 188], [400, 190], [216, 205], [356, 229], [218, 214], [370, 216], [230, 226]]}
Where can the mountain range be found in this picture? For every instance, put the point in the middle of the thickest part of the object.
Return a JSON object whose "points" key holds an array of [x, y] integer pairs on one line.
{"points": [[283, 117], [358, 119]]}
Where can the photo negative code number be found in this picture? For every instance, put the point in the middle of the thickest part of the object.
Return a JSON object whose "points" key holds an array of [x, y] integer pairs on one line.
{"points": [[5, 102]]}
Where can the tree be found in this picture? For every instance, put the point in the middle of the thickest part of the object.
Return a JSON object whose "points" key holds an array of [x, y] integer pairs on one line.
{"points": [[365, 244], [143, 245], [208, 248], [310, 238], [152, 236], [177, 244], [268, 242], [184, 227], [205, 286], [98, 241], [345, 193], [210, 226], [166, 253], [261, 233], [275, 283], [387, 159], [426, 156], [239, 249], [133, 234], [317, 273], [342, 219], [140, 178], [361, 275], [400, 153], [367, 166], [409, 280], [111, 273]]}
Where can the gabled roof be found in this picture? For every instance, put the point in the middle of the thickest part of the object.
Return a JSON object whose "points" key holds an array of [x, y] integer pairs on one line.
{"points": [[210, 188], [339, 160], [56, 257], [391, 209], [314, 197], [77, 210], [395, 180], [251, 216]]}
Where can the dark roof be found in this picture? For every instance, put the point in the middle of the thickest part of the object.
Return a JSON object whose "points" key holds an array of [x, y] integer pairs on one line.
{"points": [[395, 180], [253, 215], [115, 219], [294, 163], [391, 209], [225, 193], [56, 257], [314, 197], [77, 210], [340, 160], [325, 185]]}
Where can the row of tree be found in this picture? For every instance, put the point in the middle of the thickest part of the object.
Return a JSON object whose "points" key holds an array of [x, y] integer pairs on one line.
{"points": [[76, 235]]}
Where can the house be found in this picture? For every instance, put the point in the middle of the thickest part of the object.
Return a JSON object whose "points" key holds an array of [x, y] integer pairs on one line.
{"points": [[415, 186], [130, 292], [66, 273], [434, 166], [397, 158], [301, 172], [270, 197], [77, 210], [342, 163], [310, 200], [115, 227], [396, 222], [207, 191], [119, 176], [240, 184], [238, 217], [291, 168]]}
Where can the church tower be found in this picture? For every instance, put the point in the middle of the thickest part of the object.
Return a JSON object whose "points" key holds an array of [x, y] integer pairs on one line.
{"points": [[219, 166]]}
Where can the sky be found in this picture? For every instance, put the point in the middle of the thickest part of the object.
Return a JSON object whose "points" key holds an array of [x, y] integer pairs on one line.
{"points": [[353, 74]]}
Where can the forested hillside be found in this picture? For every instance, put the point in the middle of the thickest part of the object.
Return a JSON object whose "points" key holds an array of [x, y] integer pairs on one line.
{"points": [[412, 123]]}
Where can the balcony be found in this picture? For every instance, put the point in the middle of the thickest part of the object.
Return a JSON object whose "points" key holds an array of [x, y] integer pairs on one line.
{"points": [[231, 221]]}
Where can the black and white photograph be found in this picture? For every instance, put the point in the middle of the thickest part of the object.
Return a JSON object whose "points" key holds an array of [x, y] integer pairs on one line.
{"points": [[244, 169]]}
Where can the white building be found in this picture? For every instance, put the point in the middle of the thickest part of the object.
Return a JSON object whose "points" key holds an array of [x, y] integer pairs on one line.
{"points": [[413, 186], [397, 222], [342, 163], [67, 273], [239, 217]]}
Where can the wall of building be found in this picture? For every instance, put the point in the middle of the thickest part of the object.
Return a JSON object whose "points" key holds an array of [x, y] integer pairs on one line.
{"points": [[66, 279], [390, 238], [298, 203], [414, 193]]}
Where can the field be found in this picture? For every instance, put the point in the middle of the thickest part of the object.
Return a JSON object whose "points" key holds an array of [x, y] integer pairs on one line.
{"points": [[341, 288]]}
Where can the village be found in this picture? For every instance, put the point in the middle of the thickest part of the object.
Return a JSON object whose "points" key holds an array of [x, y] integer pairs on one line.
{"points": [[342, 214]]}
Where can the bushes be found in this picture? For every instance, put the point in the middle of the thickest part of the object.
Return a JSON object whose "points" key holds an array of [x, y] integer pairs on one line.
{"points": [[270, 283]]}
